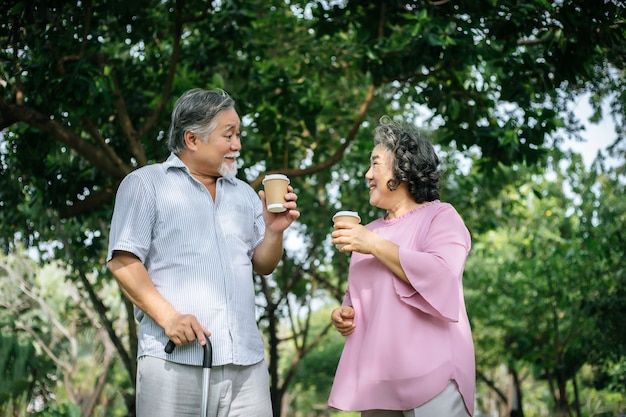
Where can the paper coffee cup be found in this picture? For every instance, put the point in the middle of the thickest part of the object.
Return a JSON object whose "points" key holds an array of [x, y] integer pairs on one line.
{"points": [[275, 186], [346, 216]]}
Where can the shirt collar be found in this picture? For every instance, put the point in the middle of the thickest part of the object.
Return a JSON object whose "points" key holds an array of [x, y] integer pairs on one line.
{"points": [[173, 162]]}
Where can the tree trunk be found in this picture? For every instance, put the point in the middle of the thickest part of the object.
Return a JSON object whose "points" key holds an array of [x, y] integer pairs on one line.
{"points": [[516, 395]]}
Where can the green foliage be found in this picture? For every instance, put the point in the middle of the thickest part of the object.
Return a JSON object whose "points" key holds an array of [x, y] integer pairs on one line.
{"points": [[65, 409], [24, 372], [86, 89], [57, 354], [547, 291], [310, 386], [21, 369], [317, 369]]}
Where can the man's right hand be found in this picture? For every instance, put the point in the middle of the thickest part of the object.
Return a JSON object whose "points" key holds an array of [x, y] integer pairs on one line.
{"points": [[134, 281], [185, 328], [342, 318]]}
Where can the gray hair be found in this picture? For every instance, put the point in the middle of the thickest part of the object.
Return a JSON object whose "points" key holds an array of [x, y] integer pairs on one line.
{"points": [[195, 111], [414, 160]]}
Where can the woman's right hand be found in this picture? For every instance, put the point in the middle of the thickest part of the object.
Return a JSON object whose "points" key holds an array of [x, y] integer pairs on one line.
{"points": [[342, 318]]}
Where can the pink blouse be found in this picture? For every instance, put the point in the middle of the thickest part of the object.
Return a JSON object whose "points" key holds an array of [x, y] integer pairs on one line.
{"points": [[410, 340]]}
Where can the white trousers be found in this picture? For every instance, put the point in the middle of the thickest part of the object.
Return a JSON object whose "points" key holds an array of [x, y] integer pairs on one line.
{"points": [[166, 389], [448, 403]]}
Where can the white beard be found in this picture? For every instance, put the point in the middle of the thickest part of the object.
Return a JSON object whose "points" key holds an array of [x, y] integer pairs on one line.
{"points": [[229, 170]]}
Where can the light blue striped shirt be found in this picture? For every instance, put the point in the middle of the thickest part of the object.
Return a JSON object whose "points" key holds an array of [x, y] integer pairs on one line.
{"points": [[198, 253]]}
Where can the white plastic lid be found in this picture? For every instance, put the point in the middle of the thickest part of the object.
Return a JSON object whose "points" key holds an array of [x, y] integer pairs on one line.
{"points": [[276, 177], [347, 213]]}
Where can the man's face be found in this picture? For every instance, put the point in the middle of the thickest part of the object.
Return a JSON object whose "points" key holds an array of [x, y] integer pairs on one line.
{"points": [[219, 154]]}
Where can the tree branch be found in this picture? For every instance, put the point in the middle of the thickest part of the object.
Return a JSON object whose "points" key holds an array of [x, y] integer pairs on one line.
{"points": [[337, 156], [83, 42], [107, 357], [291, 372], [56, 323], [491, 384], [100, 308], [90, 202], [19, 88], [129, 362], [131, 137], [527, 42], [95, 155], [93, 130], [171, 73], [44, 346]]}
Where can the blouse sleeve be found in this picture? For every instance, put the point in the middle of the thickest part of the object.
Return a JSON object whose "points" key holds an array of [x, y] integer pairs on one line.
{"points": [[435, 267], [347, 301]]}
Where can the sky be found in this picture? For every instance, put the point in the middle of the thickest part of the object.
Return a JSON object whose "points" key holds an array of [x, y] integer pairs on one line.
{"points": [[597, 136]]}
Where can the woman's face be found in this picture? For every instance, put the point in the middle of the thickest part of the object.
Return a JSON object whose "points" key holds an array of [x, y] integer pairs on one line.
{"points": [[380, 172]]}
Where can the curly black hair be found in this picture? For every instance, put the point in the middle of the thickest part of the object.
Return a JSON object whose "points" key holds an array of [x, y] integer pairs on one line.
{"points": [[414, 160]]}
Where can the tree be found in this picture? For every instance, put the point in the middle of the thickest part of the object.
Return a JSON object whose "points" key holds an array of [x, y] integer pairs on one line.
{"points": [[87, 86], [549, 283], [315, 372], [56, 338]]}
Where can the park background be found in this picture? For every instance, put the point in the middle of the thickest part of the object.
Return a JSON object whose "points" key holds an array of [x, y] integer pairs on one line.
{"points": [[86, 89]]}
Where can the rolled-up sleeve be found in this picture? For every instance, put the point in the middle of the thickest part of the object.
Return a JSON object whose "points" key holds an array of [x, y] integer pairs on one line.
{"points": [[133, 219]]}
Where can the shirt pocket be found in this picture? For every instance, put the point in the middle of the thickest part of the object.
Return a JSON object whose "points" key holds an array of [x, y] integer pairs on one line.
{"points": [[238, 226]]}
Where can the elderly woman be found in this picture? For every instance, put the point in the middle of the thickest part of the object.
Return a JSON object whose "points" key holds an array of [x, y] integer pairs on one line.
{"points": [[409, 348]]}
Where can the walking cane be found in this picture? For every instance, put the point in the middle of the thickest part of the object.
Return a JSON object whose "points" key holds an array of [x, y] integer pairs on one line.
{"points": [[207, 364]]}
